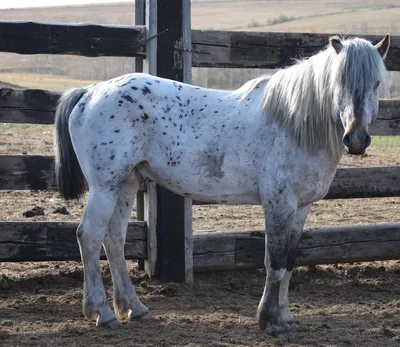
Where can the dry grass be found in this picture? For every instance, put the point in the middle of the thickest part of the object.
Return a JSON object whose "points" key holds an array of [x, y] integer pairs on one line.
{"points": [[363, 21], [43, 81]]}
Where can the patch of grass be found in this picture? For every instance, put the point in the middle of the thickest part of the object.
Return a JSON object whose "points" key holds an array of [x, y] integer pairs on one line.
{"points": [[54, 83], [254, 24], [386, 141], [13, 129], [281, 19], [392, 6]]}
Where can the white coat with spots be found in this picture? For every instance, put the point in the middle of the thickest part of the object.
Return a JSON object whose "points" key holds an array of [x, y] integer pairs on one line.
{"points": [[276, 141]]}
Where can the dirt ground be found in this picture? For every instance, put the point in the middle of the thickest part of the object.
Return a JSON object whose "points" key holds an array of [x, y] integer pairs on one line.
{"points": [[335, 305]]}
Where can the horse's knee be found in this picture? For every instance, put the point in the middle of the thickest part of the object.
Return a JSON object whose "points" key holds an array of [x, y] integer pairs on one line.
{"points": [[276, 275]]}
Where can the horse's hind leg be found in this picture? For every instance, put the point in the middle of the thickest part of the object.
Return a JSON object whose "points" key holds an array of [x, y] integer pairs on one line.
{"points": [[90, 234], [126, 302], [279, 215], [297, 228]]}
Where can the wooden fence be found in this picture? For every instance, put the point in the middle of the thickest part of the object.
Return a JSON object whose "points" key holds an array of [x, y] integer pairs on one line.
{"points": [[168, 216]]}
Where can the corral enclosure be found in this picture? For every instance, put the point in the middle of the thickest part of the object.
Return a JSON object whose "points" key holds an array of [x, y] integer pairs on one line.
{"points": [[375, 284]]}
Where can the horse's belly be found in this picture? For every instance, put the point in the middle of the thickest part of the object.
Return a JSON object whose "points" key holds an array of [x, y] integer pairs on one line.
{"points": [[185, 181]]}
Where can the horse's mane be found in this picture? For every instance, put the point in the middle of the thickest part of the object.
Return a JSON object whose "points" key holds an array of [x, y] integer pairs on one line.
{"points": [[302, 97]]}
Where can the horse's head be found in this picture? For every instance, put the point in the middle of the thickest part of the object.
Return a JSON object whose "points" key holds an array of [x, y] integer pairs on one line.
{"points": [[358, 69]]}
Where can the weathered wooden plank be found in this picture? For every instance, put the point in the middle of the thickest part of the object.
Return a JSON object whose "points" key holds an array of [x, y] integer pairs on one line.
{"points": [[37, 107], [87, 40], [27, 106], [34, 172], [41, 241], [268, 50], [330, 245], [19, 172], [365, 182], [388, 120]]}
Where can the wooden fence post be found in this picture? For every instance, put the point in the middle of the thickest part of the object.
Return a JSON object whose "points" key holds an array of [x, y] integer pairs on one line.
{"points": [[140, 12], [168, 56]]}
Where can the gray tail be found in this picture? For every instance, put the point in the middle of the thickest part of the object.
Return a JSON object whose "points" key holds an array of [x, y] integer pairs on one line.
{"points": [[70, 179]]}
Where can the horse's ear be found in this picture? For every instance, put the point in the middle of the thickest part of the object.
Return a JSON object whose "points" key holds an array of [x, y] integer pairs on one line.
{"points": [[383, 46], [336, 43]]}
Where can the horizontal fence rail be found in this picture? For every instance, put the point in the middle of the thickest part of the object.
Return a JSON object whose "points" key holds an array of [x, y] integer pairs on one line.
{"points": [[329, 245], [87, 40], [40, 241], [37, 106], [19, 172], [43, 241], [210, 48], [239, 49]]}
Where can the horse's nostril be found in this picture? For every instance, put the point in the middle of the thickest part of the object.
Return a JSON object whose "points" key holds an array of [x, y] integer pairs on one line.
{"points": [[346, 140], [367, 140]]}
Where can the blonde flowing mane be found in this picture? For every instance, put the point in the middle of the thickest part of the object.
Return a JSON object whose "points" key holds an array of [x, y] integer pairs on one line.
{"points": [[301, 98]]}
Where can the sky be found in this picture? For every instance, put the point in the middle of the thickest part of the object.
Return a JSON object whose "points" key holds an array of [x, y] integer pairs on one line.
{"points": [[5, 4]]}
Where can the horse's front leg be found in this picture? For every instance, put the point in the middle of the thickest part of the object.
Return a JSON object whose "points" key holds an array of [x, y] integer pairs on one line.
{"points": [[297, 228], [280, 211]]}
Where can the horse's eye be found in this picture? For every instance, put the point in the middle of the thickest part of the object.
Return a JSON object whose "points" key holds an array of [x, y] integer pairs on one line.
{"points": [[377, 85]]}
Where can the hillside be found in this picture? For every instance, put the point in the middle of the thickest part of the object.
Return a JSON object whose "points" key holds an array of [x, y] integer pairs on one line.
{"points": [[341, 16]]}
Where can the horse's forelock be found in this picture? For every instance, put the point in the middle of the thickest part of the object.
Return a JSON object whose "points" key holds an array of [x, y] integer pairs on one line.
{"points": [[358, 68]]}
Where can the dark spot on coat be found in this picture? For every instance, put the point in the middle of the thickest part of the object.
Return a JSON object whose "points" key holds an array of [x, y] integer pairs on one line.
{"points": [[112, 117], [145, 116], [145, 90], [112, 157], [167, 109], [117, 131], [128, 98], [141, 107], [134, 88]]}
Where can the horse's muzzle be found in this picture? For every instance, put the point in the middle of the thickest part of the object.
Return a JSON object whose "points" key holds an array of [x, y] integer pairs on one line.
{"points": [[356, 141]]}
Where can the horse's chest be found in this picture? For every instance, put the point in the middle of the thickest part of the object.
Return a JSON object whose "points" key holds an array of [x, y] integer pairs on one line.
{"points": [[313, 184]]}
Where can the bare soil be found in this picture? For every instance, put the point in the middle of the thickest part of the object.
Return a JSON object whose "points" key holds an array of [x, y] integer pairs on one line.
{"points": [[336, 305]]}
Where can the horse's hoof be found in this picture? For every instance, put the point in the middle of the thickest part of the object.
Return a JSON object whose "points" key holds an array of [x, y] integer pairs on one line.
{"points": [[112, 323], [262, 321], [281, 329], [144, 316]]}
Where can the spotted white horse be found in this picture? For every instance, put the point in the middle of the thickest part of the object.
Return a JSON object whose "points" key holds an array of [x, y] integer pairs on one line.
{"points": [[276, 141]]}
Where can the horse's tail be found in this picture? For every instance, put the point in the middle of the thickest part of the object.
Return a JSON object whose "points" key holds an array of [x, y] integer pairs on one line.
{"points": [[69, 175]]}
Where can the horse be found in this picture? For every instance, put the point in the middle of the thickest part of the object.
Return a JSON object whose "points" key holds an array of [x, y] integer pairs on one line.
{"points": [[275, 141]]}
